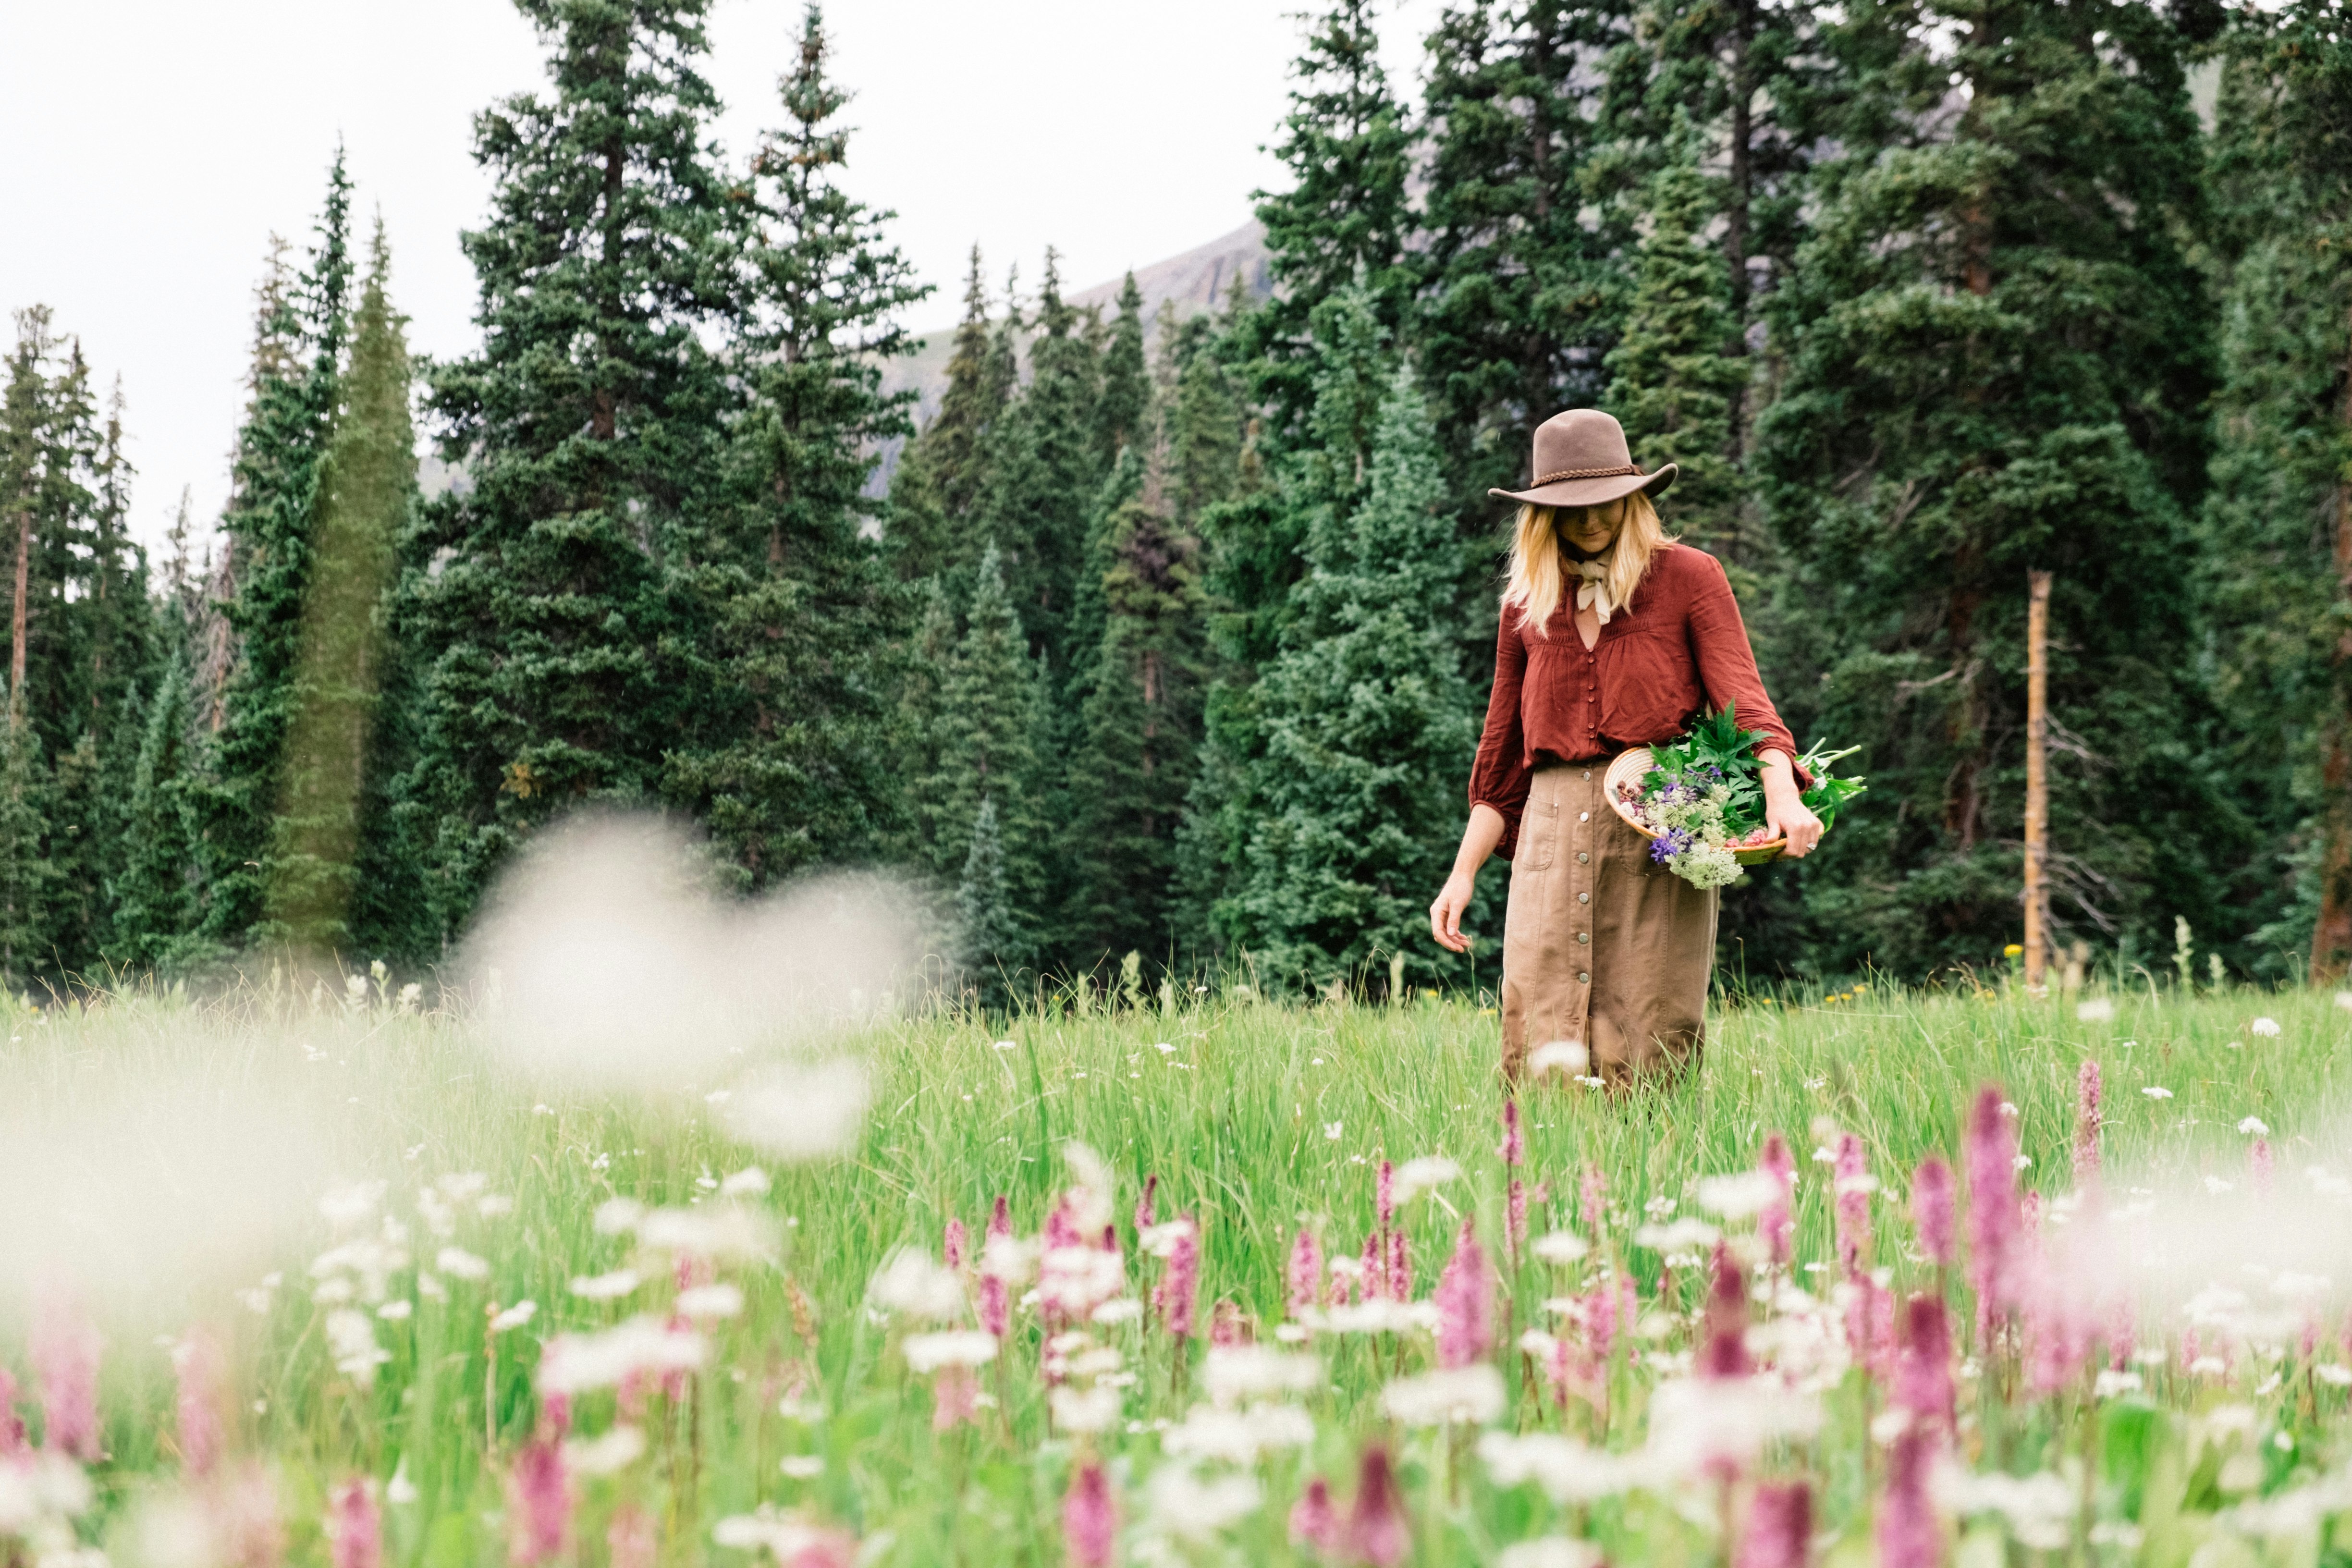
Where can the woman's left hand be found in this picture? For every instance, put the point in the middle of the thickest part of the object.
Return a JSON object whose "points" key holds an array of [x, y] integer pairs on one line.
{"points": [[1787, 815]]}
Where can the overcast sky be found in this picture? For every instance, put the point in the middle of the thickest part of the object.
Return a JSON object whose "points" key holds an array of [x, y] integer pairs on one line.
{"points": [[152, 146]]}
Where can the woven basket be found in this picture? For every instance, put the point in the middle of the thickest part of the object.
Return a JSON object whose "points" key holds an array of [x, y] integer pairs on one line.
{"points": [[1630, 767]]}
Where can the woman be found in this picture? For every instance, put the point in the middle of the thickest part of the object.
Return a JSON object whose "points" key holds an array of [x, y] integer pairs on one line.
{"points": [[1602, 947]]}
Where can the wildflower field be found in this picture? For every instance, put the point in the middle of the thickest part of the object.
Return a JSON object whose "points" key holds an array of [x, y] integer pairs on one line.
{"points": [[1898, 1278]]}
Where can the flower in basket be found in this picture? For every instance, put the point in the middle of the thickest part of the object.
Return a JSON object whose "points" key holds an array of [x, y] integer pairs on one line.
{"points": [[1702, 806]]}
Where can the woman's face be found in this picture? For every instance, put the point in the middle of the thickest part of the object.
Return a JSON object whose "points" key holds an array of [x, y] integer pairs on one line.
{"points": [[1591, 530]]}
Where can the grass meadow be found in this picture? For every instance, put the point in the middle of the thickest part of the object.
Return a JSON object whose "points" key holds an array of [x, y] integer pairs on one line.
{"points": [[309, 1343]]}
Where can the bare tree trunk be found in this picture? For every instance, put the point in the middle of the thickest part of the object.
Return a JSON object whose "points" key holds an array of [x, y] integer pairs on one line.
{"points": [[2037, 780]]}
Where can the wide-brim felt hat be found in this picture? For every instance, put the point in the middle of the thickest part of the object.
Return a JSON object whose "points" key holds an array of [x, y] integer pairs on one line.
{"points": [[1582, 460]]}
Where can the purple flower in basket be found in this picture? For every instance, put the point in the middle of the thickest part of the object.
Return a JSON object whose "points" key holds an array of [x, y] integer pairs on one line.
{"points": [[1669, 844]]}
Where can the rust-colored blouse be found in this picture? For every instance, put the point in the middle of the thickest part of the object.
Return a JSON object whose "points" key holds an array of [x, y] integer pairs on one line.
{"points": [[1679, 648]]}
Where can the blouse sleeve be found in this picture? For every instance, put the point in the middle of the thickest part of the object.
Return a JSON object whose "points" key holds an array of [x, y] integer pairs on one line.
{"points": [[1726, 663], [1500, 775]]}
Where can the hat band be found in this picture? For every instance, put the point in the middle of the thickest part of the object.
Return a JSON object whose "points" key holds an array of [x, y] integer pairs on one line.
{"points": [[1619, 471]]}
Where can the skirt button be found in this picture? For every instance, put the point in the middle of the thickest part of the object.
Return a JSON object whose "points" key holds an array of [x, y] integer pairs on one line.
{"points": [[1583, 936], [1582, 978], [1582, 857], [1584, 897]]}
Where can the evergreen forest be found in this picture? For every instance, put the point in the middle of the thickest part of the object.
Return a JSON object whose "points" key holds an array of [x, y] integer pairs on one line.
{"points": [[1157, 650]]}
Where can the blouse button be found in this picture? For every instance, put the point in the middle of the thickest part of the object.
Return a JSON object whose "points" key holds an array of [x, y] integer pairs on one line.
{"points": [[1583, 936], [1588, 773], [1584, 978], [1584, 897], [1583, 817], [1582, 857]]}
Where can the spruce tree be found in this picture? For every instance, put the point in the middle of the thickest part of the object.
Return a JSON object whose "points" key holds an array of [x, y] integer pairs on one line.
{"points": [[587, 427], [985, 748], [366, 502], [1125, 375], [269, 524], [788, 761], [29, 883], [1346, 219], [936, 488], [1134, 764], [1677, 378], [154, 905], [1367, 724], [2278, 523], [1997, 350], [992, 947]]}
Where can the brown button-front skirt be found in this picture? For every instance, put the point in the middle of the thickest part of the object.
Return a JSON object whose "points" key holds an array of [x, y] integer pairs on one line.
{"points": [[1600, 944]]}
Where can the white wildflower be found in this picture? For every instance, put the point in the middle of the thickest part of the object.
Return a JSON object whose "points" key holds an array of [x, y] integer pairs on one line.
{"points": [[1239, 1437], [801, 1467], [2333, 1376], [703, 1302], [1185, 1506], [2110, 1384], [2039, 1509], [1075, 1280], [723, 1233], [2097, 1010], [1425, 1174], [574, 1363], [1679, 1236], [1569, 1056], [927, 1354], [1743, 1195], [2254, 1126], [1568, 1471], [801, 1112], [2266, 1027], [606, 1454], [1550, 1551], [750, 1182], [1087, 1410], [1697, 1423], [618, 1217], [1160, 1240], [459, 1264], [514, 1317], [1012, 1259], [351, 1340], [1242, 1372], [396, 1312], [911, 1285], [347, 1207], [1470, 1395], [1560, 1247], [2157, 1092], [763, 1528], [610, 1287], [1331, 1130]]}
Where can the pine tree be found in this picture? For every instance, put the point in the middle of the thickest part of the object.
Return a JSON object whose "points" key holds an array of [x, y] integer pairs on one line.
{"points": [[789, 763], [154, 905], [1048, 471], [366, 504], [28, 876], [1125, 377], [587, 426], [1346, 220], [985, 748], [991, 946], [1134, 764], [2278, 523], [269, 524], [1366, 722], [1678, 381], [936, 488], [1997, 350]]}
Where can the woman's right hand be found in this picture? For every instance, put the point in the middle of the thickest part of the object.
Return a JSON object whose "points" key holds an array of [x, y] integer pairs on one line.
{"points": [[1445, 914]]}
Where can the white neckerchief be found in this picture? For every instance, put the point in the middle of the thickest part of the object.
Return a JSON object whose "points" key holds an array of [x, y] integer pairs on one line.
{"points": [[1592, 591]]}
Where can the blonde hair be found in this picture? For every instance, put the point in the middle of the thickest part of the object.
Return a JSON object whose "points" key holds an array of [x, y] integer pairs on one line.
{"points": [[1535, 584]]}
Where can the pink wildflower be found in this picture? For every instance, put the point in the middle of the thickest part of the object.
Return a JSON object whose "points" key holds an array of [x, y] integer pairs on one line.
{"points": [[1908, 1535], [1146, 1210], [1062, 1228], [1000, 1217], [1314, 1521], [2189, 1349], [1852, 1202], [1378, 1531], [1305, 1271], [955, 1398], [539, 1503], [354, 1527], [1779, 1530], [1376, 1268], [995, 1306], [11, 1426], [2088, 1091], [2123, 1336], [1723, 1351], [2058, 1330], [1869, 1326], [1592, 1193], [246, 1529], [1931, 1211], [2258, 1161], [1776, 1225], [203, 1395], [629, 1540], [1514, 1144], [827, 1549], [1515, 1221], [1089, 1525], [64, 1349], [1180, 1283], [1598, 1314], [951, 1243], [1923, 1361], [1384, 1194], [1465, 1304], [1995, 1219], [1400, 1268], [1225, 1325], [555, 1417]]}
